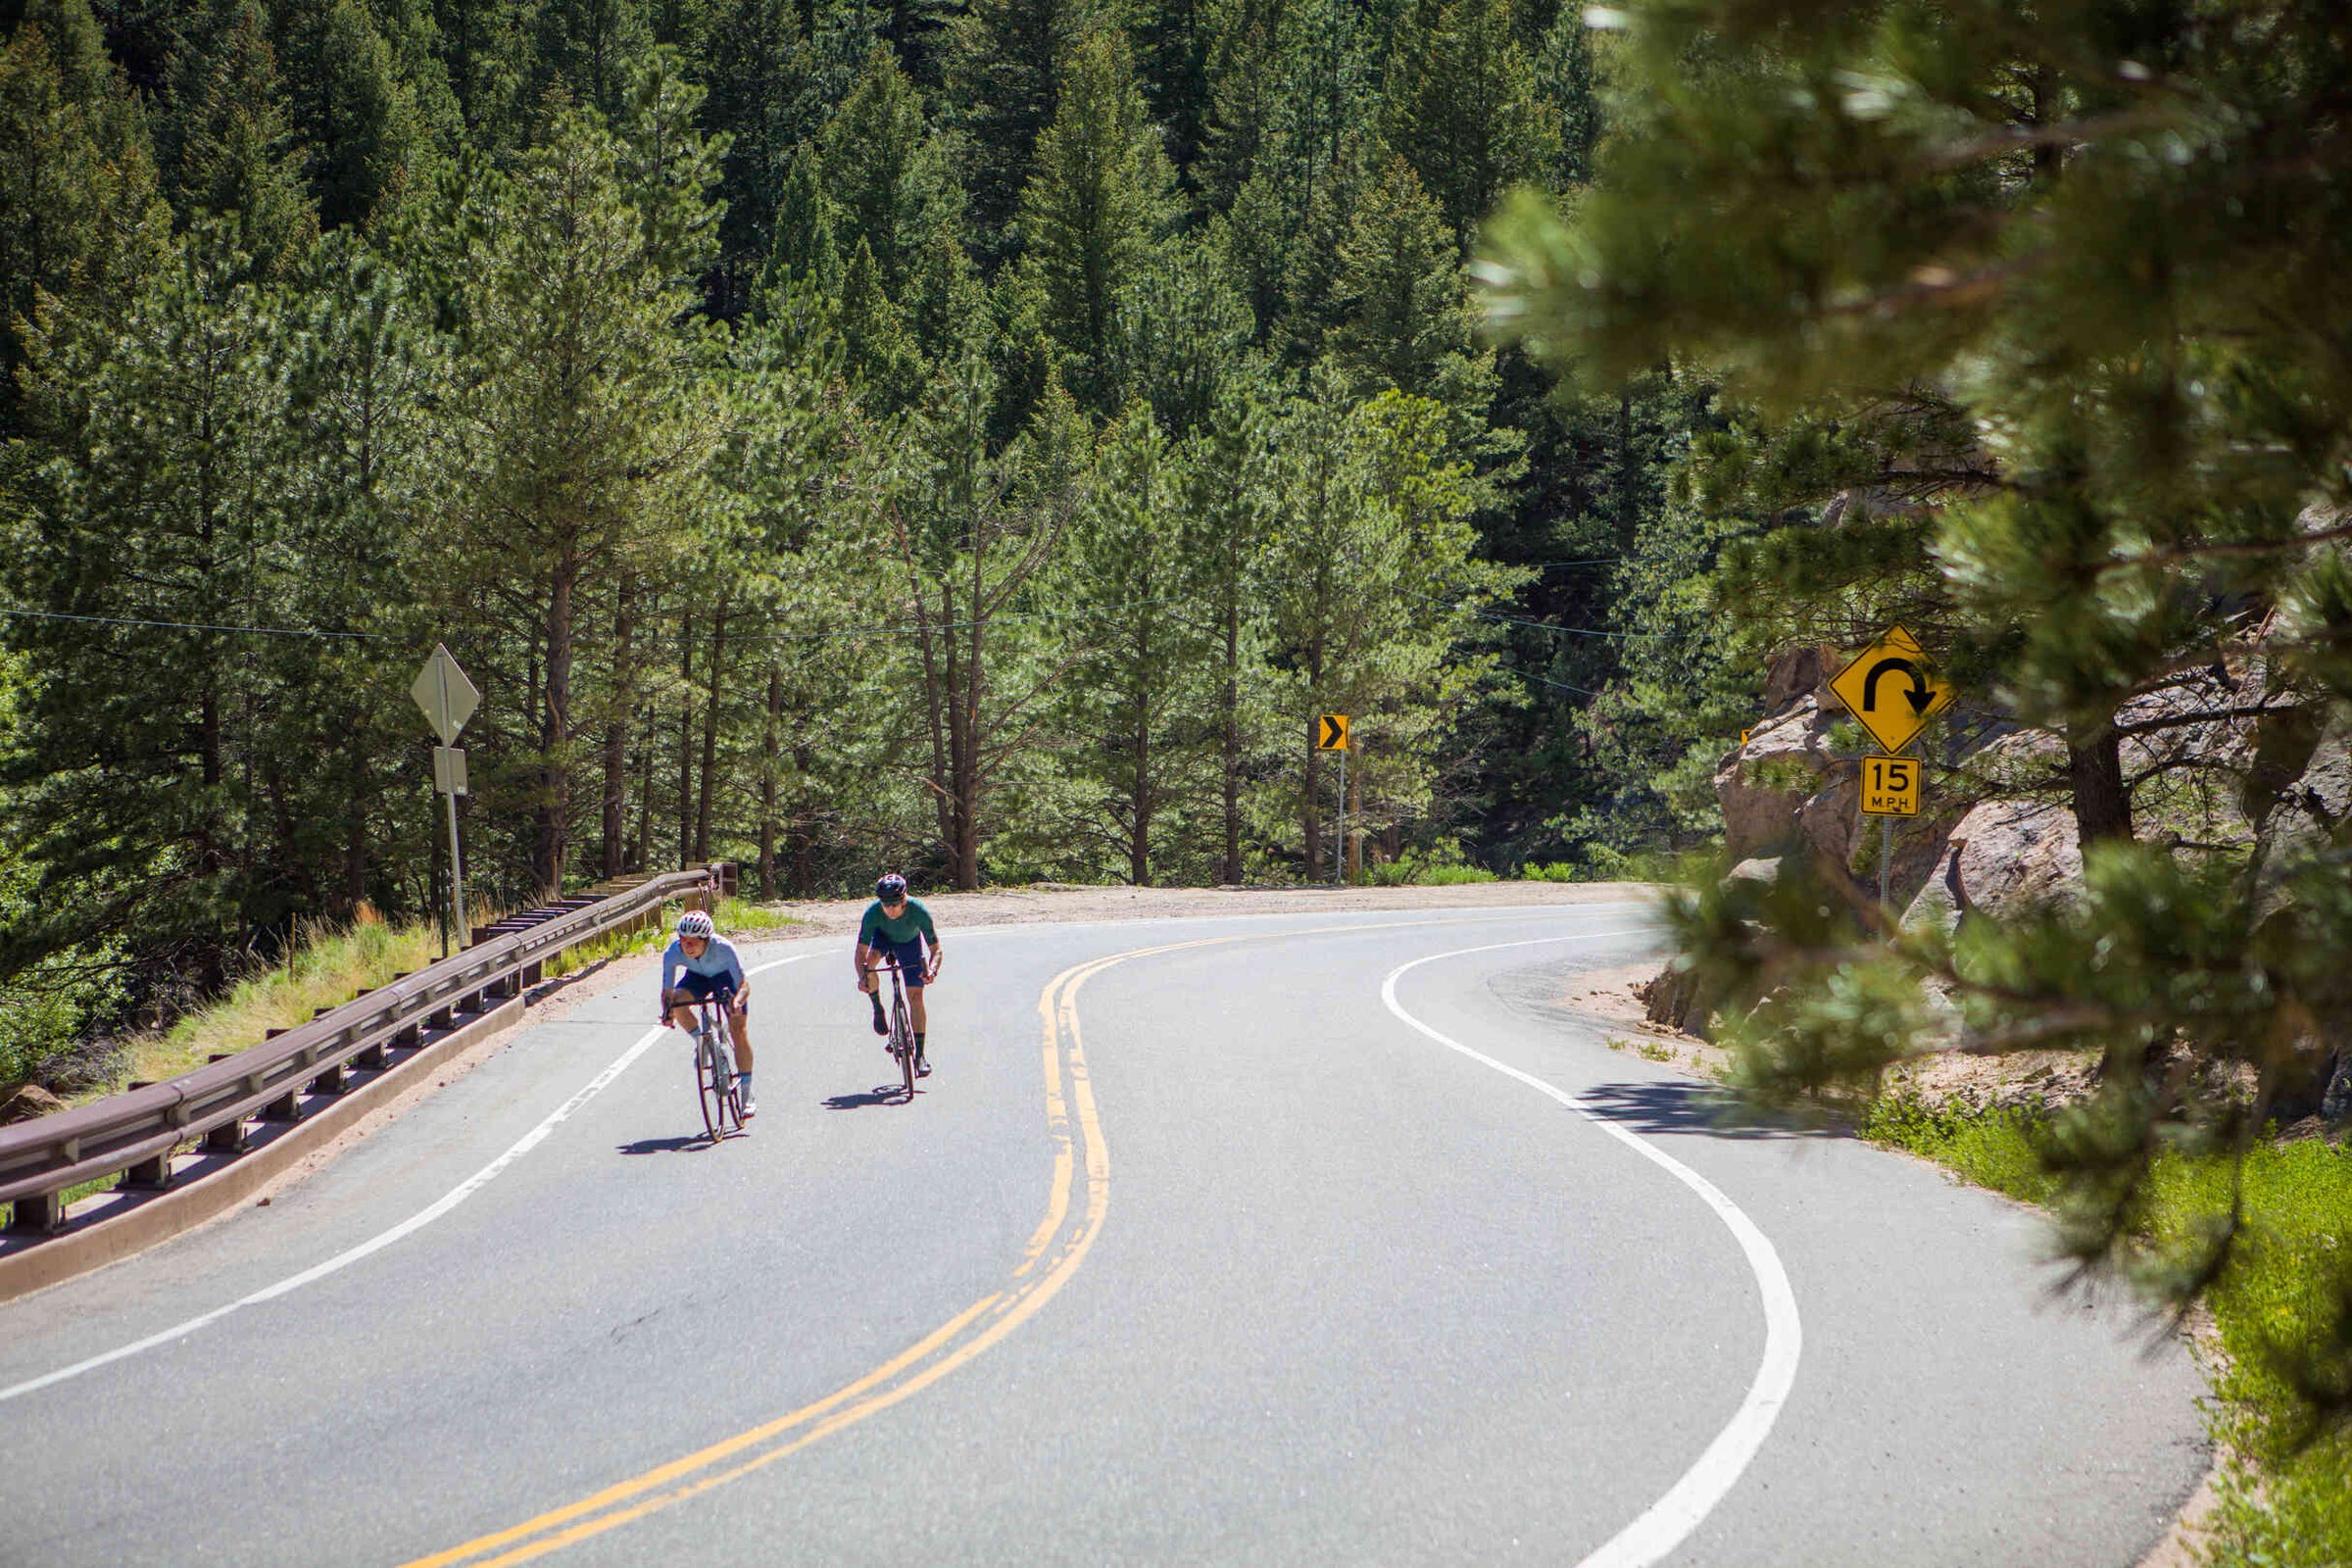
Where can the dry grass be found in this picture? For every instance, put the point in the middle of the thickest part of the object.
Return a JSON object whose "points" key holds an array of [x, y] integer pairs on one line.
{"points": [[331, 965], [328, 967]]}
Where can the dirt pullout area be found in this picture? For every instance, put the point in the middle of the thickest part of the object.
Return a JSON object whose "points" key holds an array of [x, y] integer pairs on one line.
{"points": [[1037, 904]]}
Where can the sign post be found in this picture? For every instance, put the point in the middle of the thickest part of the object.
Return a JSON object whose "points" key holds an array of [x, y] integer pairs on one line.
{"points": [[1892, 691], [1889, 789], [449, 700], [1331, 735]]}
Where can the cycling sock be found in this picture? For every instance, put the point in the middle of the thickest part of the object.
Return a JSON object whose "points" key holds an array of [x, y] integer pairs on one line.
{"points": [[919, 1043]]}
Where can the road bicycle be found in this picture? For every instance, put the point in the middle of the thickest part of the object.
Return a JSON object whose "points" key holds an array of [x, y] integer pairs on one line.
{"points": [[902, 1033], [714, 1065]]}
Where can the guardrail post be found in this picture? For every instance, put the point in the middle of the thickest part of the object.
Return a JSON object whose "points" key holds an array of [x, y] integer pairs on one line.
{"points": [[41, 1215], [285, 1108], [227, 1139], [150, 1175]]}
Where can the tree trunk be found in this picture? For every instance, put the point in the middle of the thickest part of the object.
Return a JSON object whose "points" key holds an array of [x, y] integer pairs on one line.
{"points": [[1232, 760], [616, 733], [555, 737], [709, 784], [1139, 843], [1350, 855], [1311, 820], [355, 821], [641, 858], [2102, 802], [685, 801], [769, 740], [1624, 470]]}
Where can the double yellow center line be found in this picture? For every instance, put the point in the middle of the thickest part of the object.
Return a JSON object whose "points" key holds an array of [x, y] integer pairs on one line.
{"points": [[1053, 1254]]}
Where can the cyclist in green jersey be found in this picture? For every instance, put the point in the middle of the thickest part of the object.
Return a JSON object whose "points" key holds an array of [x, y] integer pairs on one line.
{"points": [[894, 929]]}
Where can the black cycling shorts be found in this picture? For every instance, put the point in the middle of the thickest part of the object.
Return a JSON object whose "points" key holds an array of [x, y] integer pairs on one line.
{"points": [[710, 986], [908, 956]]}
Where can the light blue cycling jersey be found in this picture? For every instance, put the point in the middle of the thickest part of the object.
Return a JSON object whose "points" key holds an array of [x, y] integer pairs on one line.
{"points": [[719, 957]]}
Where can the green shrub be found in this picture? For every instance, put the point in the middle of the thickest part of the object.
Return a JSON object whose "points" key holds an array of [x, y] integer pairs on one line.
{"points": [[2285, 1501]]}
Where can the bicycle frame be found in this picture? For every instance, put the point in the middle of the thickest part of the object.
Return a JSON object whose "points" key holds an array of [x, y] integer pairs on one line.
{"points": [[902, 1034]]}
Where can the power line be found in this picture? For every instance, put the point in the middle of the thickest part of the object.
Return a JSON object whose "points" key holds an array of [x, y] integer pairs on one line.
{"points": [[1561, 684], [191, 625], [1571, 631]]}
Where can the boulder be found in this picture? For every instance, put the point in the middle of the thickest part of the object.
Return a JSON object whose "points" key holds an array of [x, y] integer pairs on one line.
{"points": [[1766, 786], [23, 1101], [2001, 857]]}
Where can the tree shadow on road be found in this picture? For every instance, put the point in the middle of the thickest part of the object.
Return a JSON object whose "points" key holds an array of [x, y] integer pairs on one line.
{"points": [[1663, 1105]]}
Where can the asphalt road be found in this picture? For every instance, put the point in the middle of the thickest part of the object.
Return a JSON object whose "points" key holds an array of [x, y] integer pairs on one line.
{"points": [[1269, 1244]]}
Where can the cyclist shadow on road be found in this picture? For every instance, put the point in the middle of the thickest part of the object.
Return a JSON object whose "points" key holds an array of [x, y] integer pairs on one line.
{"points": [[879, 1095], [667, 1145]]}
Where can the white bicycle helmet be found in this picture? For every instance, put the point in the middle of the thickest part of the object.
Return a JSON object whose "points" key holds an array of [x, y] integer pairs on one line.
{"points": [[695, 923]]}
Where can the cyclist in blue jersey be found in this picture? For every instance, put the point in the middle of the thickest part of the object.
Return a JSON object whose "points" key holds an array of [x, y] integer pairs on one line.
{"points": [[701, 964], [895, 928]]}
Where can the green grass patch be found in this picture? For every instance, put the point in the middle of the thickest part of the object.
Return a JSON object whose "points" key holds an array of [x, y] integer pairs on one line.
{"points": [[736, 917], [328, 967], [2286, 1494]]}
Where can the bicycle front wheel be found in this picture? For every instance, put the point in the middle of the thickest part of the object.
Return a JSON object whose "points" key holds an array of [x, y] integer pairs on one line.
{"points": [[901, 1046], [716, 1085]]}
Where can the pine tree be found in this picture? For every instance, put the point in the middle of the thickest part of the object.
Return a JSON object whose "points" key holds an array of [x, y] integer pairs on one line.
{"points": [[357, 121], [1399, 291], [1182, 334], [1375, 590], [228, 144], [1461, 103], [361, 369], [806, 254], [81, 219], [1228, 511], [971, 523], [161, 508], [1097, 206], [1004, 66], [1136, 759], [885, 171], [880, 361], [485, 50], [668, 165], [1243, 73], [589, 47], [1174, 41], [759, 71], [585, 428]]}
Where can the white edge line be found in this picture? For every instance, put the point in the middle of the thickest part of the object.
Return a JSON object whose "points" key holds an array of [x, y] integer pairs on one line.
{"points": [[383, 1238], [1665, 1524]]}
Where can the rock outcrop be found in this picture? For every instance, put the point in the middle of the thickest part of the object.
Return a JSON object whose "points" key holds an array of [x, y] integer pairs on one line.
{"points": [[23, 1101]]}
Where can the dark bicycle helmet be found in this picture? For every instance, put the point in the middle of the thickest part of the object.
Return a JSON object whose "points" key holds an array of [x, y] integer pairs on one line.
{"points": [[892, 888]]}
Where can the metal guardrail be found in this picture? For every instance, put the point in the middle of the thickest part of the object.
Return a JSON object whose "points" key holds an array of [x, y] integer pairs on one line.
{"points": [[140, 1131]]}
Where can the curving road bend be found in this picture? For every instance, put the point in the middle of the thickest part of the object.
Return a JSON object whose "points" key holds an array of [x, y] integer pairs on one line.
{"points": [[1301, 1239]]}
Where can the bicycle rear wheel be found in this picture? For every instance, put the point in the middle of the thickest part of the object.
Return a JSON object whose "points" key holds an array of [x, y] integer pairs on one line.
{"points": [[715, 1084]]}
